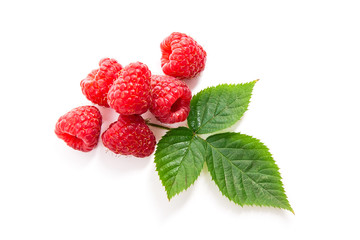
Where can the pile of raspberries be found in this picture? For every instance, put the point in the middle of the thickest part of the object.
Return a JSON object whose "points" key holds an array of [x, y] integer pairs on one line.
{"points": [[131, 91]]}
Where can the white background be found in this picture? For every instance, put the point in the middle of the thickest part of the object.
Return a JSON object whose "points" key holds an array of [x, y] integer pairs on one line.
{"points": [[305, 108]]}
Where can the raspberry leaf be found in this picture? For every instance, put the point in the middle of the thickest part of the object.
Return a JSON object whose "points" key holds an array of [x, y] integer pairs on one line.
{"points": [[219, 107], [179, 159], [244, 170]]}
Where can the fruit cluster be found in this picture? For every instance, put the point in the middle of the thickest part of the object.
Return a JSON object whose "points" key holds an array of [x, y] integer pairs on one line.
{"points": [[131, 91]]}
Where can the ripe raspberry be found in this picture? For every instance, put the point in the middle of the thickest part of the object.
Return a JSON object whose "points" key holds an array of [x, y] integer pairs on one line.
{"points": [[129, 136], [80, 128], [130, 93], [182, 56], [170, 99], [97, 83]]}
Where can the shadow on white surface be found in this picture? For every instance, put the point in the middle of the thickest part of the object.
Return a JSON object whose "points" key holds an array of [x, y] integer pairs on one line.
{"points": [[72, 156], [192, 83], [165, 208], [108, 116], [122, 164]]}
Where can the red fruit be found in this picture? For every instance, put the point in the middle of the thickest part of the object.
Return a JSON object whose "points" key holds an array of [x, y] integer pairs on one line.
{"points": [[80, 128], [170, 99], [97, 83], [182, 56], [129, 136], [130, 93]]}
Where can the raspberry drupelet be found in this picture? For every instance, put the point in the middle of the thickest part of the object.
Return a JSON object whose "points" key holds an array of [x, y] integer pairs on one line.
{"points": [[80, 128], [182, 57], [97, 83], [129, 135], [170, 99], [130, 93]]}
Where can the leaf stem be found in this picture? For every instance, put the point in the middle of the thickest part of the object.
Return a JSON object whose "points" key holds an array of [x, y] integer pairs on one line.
{"points": [[158, 126]]}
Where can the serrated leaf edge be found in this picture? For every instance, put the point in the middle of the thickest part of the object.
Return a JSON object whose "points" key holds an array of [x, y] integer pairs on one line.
{"points": [[219, 86], [259, 205], [170, 196]]}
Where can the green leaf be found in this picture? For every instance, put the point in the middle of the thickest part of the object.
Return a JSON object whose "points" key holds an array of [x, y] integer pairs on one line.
{"points": [[219, 107], [179, 159], [244, 170]]}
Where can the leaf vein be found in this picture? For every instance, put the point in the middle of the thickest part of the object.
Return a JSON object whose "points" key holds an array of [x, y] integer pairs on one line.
{"points": [[263, 189], [226, 107], [182, 159]]}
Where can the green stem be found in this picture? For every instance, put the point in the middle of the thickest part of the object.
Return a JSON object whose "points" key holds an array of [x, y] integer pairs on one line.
{"points": [[158, 126]]}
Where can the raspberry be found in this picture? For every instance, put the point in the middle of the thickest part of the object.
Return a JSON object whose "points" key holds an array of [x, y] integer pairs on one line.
{"points": [[97, 83], [130, 93], [182, 56], [129, 135], [80, 128], [170, 99]]}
